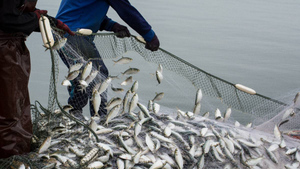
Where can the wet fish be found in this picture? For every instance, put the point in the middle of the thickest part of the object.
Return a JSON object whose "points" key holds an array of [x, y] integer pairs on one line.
{"points": [[73, 75], [91, 76], [87, 70], [227, 114], [45, 145], [297, 99], [117, 90], [133, 102], [112, 113], [66, 83], [131, 71], [75, 67], [127, 81], [158, 96], [159, 76], [104, 85], [96, 100], [122, 60], [59, 44], [199, 96]]}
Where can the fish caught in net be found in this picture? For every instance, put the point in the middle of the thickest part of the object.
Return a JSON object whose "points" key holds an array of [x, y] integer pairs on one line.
{"points": [[151, 120]]}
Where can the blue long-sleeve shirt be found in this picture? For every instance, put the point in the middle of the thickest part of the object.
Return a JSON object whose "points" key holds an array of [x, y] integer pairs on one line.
{"points": [[91, 14]]}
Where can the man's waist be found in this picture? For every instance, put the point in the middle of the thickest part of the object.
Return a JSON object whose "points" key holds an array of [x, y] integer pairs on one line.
{"points": [[5, 35]]}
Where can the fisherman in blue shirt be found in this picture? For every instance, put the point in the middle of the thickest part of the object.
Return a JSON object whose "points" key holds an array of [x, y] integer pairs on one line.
{"points": [[91, 14]]}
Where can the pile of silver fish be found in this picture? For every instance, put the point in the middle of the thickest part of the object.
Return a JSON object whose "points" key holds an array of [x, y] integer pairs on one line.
{"points": [[141, 135]]}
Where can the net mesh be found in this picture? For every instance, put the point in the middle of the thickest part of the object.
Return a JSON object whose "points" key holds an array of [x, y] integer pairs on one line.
{"points": [[77, 144]]}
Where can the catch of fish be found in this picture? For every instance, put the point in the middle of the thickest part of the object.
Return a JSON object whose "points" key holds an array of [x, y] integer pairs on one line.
{"points": [[141, 135]]}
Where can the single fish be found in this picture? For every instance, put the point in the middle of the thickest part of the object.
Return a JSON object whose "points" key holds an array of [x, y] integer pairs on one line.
{"points": [[75, 67], [133, 102], [297, 99], [127, 81], [227, 114], [197, 108], [112, 114], [156, 108], [253, 161], [123, 60], [93, 125], [104, 85], [160, 68], [59, 44], [159, 76], [277, 132], [96, 100], [178, 158], [199, 96], [134, 86], [131, 71], [87, 70], [73, 75], [95, 165], [113, 102], [91, 76], [158, 96], [126, 100], [66, 83], [117, 90], [218, 115], [150, 143], [158, 164], [45, 145]]}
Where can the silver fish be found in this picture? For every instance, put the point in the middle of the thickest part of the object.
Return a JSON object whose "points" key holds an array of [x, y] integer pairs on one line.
{"points": [[159, 76], [178, 158], [66, 83], [113, 102], [112, 113], [133, 102], [91, 76], [297, 99], [45, 145], [59, 44], [197, 108], [199, 96], [104, 85], [75, 67], [158, 96], [227, 114], [87, 70], [158, 164], [134, 86], [127, 81], [131, 71], [117, 90], [73, 75], [93, 125], [96, 100], [122, 60], [149, 143]]}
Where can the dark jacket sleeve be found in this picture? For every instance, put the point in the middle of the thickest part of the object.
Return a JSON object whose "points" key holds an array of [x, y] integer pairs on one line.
{"points": [[107, 24], [130, 15], [12, 20]]}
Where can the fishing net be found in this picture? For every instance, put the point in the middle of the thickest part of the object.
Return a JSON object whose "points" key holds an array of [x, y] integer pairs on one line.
{"points": [[155, 131]]}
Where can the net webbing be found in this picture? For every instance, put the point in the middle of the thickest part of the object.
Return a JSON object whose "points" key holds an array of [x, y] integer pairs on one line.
{"points": [[257, 105]]}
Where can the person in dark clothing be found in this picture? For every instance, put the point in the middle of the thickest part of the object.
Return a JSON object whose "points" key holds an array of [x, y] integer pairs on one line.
{"points": [[91, 14], [18, 19]]}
